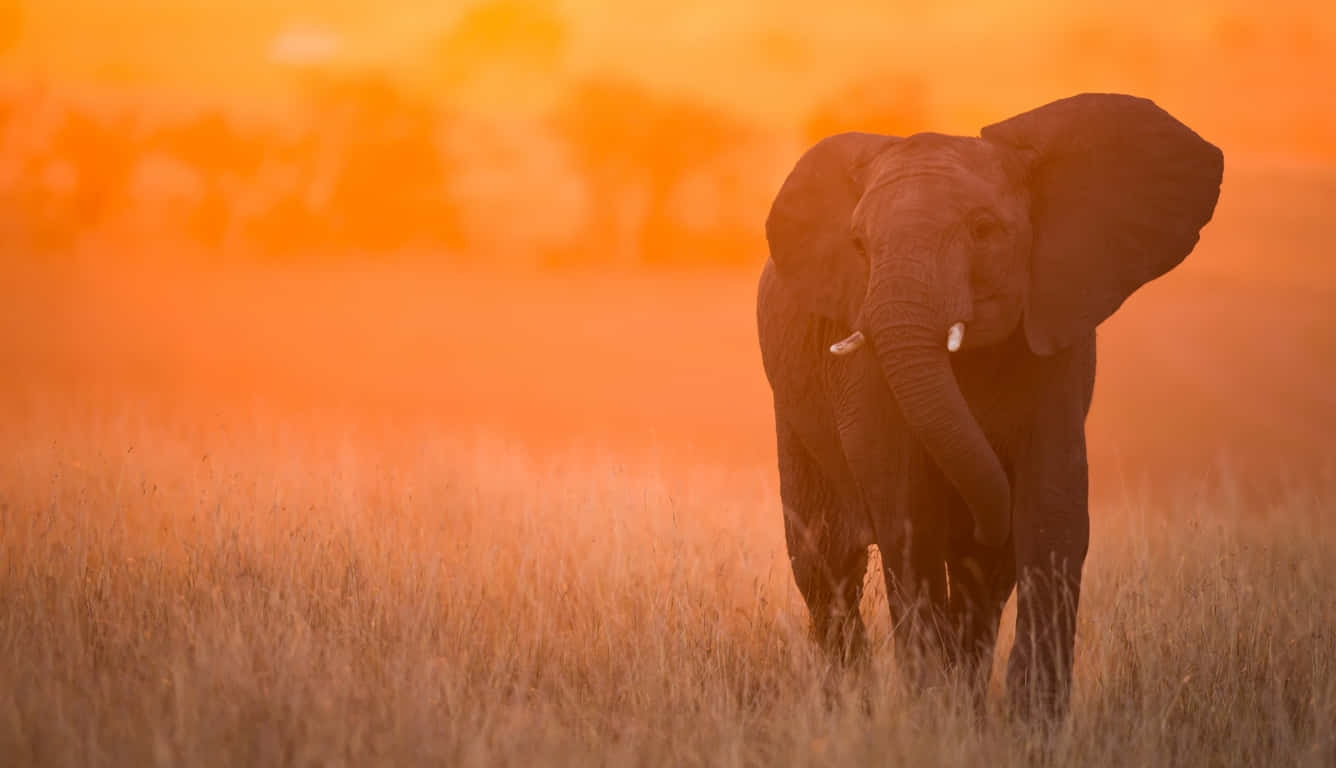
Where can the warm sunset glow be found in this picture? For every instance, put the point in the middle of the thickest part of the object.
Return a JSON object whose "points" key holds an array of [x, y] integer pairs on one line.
{"points": [[392, 368]]}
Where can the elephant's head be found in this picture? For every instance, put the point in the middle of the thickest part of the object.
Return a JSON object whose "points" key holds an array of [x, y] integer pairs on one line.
{"points": [[1050, 221]]}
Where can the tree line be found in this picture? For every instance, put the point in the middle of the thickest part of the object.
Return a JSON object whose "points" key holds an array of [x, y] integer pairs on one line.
{"points": [[359, 166]]}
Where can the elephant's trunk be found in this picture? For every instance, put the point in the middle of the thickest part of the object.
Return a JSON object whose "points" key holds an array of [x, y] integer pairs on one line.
{"points": [[907, 319]]}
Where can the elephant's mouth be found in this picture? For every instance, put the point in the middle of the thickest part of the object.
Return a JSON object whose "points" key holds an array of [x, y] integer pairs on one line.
{"points": [[995, 317]]}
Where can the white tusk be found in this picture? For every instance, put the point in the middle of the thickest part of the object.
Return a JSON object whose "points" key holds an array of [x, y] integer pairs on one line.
{"points": [[854, 341], [955, 336]]}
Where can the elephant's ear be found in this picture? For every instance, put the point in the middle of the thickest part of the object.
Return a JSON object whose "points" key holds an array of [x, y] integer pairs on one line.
{"points": [[1119, 191], [809, 226]]}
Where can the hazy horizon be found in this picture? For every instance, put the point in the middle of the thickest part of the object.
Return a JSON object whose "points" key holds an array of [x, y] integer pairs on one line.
{"points": [[1245, 75]]}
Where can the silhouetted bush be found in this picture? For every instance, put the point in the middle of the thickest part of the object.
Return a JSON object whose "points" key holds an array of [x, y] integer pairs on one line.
{"points": [[361, 166], [380, 167], [634, 148], [224, 157]]}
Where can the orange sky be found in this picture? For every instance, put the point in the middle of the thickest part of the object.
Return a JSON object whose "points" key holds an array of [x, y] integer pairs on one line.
{"points": [[1244, 73]]}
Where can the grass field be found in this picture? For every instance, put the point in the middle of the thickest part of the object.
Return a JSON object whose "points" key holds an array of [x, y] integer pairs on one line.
{"points": [[284, 602], [397, 516]]}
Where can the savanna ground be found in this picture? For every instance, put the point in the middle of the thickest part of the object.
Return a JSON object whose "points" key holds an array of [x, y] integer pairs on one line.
{"points": [[393, 515]]}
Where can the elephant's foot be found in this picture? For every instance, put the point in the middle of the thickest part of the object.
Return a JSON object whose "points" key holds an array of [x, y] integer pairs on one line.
{"points": [[842, 636], [1038, 689]]}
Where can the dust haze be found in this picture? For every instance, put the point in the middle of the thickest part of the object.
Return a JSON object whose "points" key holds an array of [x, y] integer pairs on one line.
{"points": [[403, 403]]}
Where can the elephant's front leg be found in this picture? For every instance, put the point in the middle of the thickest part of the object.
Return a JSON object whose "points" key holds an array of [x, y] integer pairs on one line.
{"points": [[982, 578], [911, 540], [906, 497], [1051, 532], [826, 550]]}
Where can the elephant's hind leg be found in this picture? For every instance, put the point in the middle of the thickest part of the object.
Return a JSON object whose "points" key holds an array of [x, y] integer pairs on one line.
{"points": [[826, 551]]}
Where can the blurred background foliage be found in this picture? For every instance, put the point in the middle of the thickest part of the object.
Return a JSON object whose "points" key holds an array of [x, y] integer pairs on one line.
{"points": [[529, 133]]}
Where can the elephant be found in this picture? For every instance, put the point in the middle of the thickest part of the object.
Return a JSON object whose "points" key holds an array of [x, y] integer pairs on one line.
{"points": [[927, 320]]}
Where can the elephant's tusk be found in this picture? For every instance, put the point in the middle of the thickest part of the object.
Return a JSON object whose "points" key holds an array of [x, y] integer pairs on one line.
{"points": [[850, 344], [955, 336]]}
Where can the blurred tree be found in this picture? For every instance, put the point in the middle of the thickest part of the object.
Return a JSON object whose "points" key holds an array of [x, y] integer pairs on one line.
{"points": [[72, 174], [890, 104], [225, 157], [634, 148], [506, 52], [290, 227], [381, 175], [103, 151]]}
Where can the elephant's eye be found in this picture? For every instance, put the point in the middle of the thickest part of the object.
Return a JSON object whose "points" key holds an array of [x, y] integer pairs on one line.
{"points": [[984, 226]]}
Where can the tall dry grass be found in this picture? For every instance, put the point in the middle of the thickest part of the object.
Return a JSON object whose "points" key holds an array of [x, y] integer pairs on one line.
{"points": [[178, 594]]}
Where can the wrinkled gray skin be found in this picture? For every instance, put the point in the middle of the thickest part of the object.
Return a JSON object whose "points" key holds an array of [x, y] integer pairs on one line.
{"points": [[965, 468]]}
